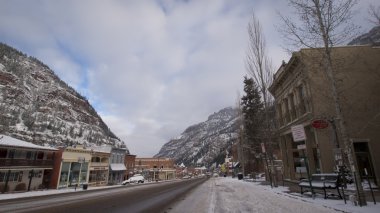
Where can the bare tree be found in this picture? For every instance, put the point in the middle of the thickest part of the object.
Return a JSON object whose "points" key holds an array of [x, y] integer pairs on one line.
{"points": [[374, 13], [260, 68], [325, 23]]}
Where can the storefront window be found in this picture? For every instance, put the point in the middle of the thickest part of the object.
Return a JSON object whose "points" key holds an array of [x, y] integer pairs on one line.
{"points": [[74, 173], [64, 174], [84, 170]]}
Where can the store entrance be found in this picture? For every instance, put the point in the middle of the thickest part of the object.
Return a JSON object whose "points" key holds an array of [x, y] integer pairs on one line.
{"points": [[364, 161]]}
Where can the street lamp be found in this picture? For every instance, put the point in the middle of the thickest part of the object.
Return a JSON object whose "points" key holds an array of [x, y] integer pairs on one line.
{"points": [[30, 176]]}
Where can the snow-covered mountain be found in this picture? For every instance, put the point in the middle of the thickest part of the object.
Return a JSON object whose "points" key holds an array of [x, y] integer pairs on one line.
{"points": [[36, 106], [371, 38], [205, 143]]}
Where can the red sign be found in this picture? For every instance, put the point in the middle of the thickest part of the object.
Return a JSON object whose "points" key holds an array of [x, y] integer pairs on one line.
{"points": [[320, 124]]}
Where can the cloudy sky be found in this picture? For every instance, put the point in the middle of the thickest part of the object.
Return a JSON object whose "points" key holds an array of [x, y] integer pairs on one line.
{"points": [[150, 68]]}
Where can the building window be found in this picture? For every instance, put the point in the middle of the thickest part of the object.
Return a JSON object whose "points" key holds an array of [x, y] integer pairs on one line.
{"points": [[3, 153], [286, 109], [19, 154], [49, 155], [95, 159], [40, 156], [2, 176], [302, 100], [11, 153], [293, 115], [64, 173], [30, 155], [14, 177]]}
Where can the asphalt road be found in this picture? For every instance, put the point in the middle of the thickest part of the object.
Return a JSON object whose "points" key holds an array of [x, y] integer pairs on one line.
{"points": [[157, 197]]}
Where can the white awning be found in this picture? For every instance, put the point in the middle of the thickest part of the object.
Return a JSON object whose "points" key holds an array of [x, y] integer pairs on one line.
{"points": [[117, 167]]}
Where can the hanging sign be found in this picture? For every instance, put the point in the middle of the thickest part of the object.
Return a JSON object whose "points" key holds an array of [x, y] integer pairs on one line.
{"points": [[298, 133], [320, 124]]}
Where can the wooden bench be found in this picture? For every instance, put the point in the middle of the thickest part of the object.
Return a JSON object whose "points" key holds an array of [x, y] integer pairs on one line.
{"points": [[322, 182]]}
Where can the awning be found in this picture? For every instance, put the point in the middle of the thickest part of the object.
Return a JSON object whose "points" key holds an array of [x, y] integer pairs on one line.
{"points": [[118, 167]]}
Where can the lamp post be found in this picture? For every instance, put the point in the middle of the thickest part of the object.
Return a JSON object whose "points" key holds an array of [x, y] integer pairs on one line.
{"points": [[30, 176]]}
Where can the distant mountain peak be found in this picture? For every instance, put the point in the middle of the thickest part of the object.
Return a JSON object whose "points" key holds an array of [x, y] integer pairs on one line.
{"points": [[204, 143]]}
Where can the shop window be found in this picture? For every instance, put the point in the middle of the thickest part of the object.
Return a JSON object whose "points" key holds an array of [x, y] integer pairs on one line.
{"points": [[14, 177], [64, 173]]}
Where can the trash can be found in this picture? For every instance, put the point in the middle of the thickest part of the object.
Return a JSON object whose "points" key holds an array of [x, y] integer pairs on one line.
{"points": [[240, 176], [85, 185]]}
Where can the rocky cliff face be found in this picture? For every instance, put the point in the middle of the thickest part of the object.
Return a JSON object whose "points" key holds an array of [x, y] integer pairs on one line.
{"points": [[204, 143], [36, 106]]}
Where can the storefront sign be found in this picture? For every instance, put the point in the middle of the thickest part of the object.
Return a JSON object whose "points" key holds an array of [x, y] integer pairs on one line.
{"points": [[320, 124], [298, 133]]}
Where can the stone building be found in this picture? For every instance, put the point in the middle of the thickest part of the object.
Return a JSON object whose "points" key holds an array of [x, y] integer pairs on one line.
{"points": [[303, 98]]}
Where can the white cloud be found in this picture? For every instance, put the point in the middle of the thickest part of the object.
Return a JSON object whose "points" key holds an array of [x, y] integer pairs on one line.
{"points": [[150, 68]]}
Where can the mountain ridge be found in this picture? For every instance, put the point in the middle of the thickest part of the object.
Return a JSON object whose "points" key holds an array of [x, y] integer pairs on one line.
{"points": [[37, 106], [205, 143]]}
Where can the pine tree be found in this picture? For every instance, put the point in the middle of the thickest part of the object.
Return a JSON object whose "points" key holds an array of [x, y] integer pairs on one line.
{"points": [[252, 109]]}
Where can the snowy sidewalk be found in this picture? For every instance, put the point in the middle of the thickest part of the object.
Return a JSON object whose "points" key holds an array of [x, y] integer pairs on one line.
{"points": [[7, 196], [233, 195]]}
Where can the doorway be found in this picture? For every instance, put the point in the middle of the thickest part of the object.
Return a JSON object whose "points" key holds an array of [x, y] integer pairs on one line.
{"points": [[364, 161]]}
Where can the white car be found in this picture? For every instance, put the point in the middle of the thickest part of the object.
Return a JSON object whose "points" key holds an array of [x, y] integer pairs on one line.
{"points": [[137, 178]]}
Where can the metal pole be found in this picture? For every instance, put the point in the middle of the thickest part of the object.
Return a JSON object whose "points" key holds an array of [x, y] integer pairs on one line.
{"points": [[31, 173], [308, 174], [6, 181], [370, 186]]}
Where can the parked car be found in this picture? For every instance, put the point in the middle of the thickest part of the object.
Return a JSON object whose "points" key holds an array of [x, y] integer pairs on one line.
{"points": [[186, 177], [134, 179], [260, 176]]}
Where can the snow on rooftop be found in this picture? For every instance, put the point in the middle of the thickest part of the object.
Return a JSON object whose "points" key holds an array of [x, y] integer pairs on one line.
{"points": [[13, 142]]}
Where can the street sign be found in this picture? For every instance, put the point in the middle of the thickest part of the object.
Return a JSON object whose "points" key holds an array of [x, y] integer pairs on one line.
{"points": [[302, 146], [320, 124], [298, 133]]}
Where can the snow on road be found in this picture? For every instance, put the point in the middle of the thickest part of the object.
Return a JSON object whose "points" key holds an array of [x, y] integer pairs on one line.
{"points": [[219, 195]]}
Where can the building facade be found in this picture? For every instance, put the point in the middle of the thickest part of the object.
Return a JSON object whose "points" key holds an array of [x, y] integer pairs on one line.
{"points": [[24, 166], [303, 98], [99, 167], [129, 162], [72, 167], [117, 167], [155, 169]]}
